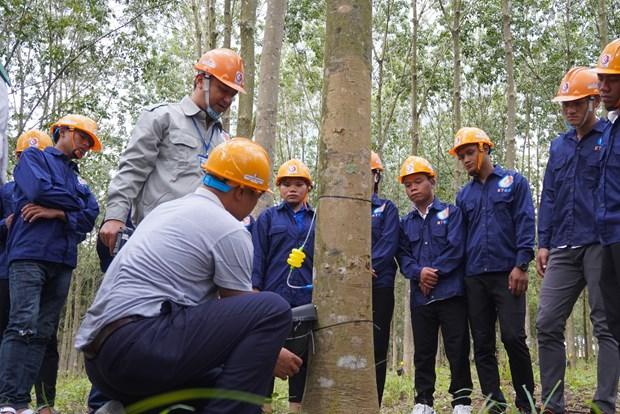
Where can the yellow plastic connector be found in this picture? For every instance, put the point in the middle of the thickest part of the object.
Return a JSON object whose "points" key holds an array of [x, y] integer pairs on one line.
{"points": [[296, 258]]}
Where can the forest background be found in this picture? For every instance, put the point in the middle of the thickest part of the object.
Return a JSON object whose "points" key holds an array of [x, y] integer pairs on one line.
{"points": [[437, 65]]}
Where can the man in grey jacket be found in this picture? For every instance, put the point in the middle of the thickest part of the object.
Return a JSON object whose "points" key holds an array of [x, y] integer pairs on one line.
{"points": [[169, 143]]}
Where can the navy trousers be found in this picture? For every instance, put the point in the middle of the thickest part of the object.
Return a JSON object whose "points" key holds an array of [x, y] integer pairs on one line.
{"points": [[177, 349]]}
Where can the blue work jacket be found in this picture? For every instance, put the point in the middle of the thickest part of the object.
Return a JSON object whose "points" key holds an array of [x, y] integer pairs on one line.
{"points": [[385, 230], [608, 211], [568, 199], [48, 178], [7, 207], [437, 241], [499, 217], [275, 233]]}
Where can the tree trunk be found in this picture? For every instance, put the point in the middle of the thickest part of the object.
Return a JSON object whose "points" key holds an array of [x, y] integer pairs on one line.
{"points": [[456, 64], [247, 23], [586, 331], [197, 27], [341, 375], [570, 342], [227, 41], [603, 30], [407, 333], [269, 75], [211, 26], [511, 97], [415, 120], [394, 339]]}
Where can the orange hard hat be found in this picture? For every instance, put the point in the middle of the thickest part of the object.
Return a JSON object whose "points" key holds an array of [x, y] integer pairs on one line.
{"points": [[578, 83], [81, 123], [470, 135], [294, 169], [226, 65], [32, 138], [241, 161], [375, 161], [414, 165], [609, 61]]}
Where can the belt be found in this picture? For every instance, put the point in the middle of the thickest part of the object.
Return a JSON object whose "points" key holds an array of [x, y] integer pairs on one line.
{"points": [[92, 349]]}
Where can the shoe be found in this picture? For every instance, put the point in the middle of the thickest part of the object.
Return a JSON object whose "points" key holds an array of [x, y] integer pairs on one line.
{"points": [[422, 409], [111, 407], [462, 409]]}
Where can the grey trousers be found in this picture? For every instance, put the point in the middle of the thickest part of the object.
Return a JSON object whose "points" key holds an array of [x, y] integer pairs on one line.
{"points": [[568, 272]]}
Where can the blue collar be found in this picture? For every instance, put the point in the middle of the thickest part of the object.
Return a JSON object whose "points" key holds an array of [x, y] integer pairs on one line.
{"points": [[598, 127], [57, 153], [305, 207]]}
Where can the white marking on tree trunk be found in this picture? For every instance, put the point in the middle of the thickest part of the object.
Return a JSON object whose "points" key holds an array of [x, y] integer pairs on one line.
{"points": [[326, 382], [352, 362]]}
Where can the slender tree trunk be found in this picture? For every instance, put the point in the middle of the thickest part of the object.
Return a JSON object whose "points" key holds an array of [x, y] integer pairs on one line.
{"points": [[227, 41], [456, 64], [586, 322], [570, 342], [511, 96], [197, 27], [415, 120], [603, 29], [247, 23], [341, 375], [269, 75], [211, 25], [407, 333], [394, 338], [381, 66]]}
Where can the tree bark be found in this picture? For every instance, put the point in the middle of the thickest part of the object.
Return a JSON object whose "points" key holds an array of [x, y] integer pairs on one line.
{"points": [[407, 333], [511, 96], [197, 27], [247, 22], [211, 25], [269, 74], [341, 375], [456, 64], [227, 41], [415, 120], [570, 342]]}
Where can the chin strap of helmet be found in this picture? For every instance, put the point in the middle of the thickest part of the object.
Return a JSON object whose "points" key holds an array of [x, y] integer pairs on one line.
{"points": [[206, 84]]}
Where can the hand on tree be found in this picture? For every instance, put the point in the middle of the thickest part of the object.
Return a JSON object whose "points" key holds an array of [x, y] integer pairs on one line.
{"points": [[33, 212]]}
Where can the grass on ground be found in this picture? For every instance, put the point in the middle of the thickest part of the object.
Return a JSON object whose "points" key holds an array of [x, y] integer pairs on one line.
{"points": [[398, 397]]}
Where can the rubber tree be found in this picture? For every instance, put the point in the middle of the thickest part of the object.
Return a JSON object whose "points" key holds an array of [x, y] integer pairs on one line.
{"points": [[341, 375]]}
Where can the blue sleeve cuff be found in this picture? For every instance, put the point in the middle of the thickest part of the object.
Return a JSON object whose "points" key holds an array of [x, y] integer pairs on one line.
{"points": [[524, 256]]}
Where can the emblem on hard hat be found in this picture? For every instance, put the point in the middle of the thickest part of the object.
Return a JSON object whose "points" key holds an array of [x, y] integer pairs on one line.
{"points": [[33, 142], [239, 78], [254, 179], [565, 87], [292, 169], [605, 59], [410, 168], [210, 63]]}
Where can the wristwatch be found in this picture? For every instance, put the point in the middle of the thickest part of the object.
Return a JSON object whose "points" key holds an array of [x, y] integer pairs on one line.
{"points": [[524, 266]]}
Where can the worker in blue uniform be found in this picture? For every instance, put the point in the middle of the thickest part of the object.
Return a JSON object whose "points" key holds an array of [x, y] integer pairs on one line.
{"points": [[276, 232], [499, 216], [54, 211], [385, 231], [608, 211], [431, 256], [569, 252]]}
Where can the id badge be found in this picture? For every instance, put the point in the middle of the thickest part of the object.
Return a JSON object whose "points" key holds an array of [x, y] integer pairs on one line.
{"points": [[202, 158]]}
